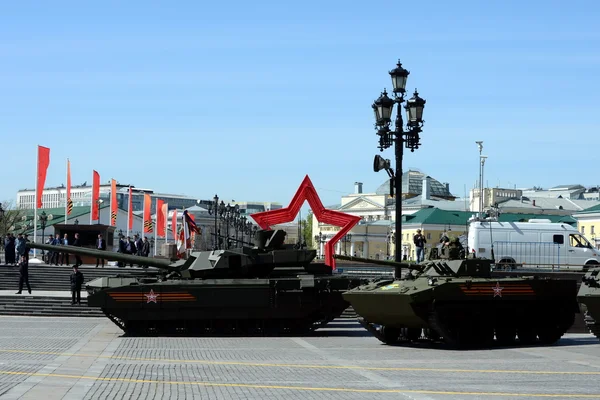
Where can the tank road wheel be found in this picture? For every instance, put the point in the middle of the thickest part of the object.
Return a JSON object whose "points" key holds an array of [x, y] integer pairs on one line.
{"points": [[526, 334], [555, 326], [549, 335], [412, 334], [390, 335], [505, 335], [432, 334], [484, 334]]}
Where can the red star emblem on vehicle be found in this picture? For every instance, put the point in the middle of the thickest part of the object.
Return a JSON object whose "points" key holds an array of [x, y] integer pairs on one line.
{"points": [[151, 296], [497, 290], [307, 192]]}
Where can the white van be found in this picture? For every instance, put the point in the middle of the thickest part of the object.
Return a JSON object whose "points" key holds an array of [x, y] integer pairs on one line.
{"points": [[537, 243]]}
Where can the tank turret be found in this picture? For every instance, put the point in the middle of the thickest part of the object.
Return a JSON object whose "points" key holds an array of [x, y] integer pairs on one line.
{"points": [[250, 262]]}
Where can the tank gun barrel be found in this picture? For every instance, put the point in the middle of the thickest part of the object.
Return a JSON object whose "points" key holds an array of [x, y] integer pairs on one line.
{"points": [[107, 255], [391, 264]]}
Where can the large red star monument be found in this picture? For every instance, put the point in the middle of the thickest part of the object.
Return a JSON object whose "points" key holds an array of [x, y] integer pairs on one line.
{"points": [[307, 192]]}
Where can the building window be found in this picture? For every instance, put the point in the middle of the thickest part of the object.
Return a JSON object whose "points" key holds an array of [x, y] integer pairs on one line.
{"points": [[583, 230], [592, 229], [428, 236]]}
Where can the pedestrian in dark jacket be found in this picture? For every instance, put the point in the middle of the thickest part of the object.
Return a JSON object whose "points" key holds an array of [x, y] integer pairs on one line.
{"points": [[76, 282], [23, 275]]}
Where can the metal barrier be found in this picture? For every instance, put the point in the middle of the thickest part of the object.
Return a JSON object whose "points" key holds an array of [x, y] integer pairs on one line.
{"points": [[529, 254]]}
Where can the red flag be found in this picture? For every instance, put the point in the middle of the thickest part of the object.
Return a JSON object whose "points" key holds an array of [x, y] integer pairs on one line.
{"points": [[42, 168], [113, 202], [160, 218], [147, 215], [69, 200], [95, 196], [130, 210], [174, 224]]}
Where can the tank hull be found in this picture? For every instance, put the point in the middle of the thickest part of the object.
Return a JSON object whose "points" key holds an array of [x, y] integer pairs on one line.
{"points": [[589, 296], [224, 306], [471, 312]]}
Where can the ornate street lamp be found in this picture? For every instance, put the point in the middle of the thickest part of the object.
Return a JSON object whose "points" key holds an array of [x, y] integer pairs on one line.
{"points": [[347, 238], [383, 108], [218, 210], [43, 219], [100, 201], [320, 240]]}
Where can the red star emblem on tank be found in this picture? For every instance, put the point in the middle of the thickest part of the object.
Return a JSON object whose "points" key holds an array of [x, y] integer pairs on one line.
{"points": [[307, 192], [497, 290], [151, 296]]}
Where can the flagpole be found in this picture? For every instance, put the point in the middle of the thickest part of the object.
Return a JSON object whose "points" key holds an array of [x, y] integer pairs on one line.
{"points": [[155, 226], [129, 214], [35, 205], [92, 201], [66, 190], [166, 226]]}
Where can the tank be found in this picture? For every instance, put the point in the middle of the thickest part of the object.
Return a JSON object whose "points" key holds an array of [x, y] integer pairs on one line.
{"points": [[456, 300], [267, 289], [589, 297]]}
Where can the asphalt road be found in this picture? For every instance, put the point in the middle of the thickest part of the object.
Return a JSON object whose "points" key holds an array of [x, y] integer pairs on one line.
{"points": [[87, 358]]}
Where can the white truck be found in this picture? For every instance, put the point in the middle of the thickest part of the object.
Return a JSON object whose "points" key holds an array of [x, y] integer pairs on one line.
{"points": [[538, 243]]}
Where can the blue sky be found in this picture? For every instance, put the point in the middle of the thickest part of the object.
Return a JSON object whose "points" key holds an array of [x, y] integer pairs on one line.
{"points": [[245, 98]]}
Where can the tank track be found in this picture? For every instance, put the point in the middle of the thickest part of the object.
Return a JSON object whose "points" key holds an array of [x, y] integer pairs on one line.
{"points": [[226, 327], [460, 326], [592, 325]]}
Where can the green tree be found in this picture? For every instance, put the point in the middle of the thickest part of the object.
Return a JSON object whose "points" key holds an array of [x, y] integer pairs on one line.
{"points": [[307, 229], [11, 219]]}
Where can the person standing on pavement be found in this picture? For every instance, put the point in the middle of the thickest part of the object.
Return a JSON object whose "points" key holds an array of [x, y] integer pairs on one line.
{"points": [[76, 279], [100, 245], [23, 275]]}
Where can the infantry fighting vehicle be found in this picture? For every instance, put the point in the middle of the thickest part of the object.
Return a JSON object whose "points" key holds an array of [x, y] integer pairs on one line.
{"points": [[589, 295], [269, 289], [455, 299]]}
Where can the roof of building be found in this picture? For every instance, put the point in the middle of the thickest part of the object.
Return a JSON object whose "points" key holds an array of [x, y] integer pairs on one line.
{"points": [[55, 215], [435, 216], [412, 184], [548, 203], [593, 209]]}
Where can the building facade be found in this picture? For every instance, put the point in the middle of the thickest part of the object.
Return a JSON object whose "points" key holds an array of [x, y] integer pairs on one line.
{"points": [[55, 197]]}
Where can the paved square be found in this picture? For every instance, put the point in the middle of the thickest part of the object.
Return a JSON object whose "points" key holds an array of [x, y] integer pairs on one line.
{"points": [[87, 358]]}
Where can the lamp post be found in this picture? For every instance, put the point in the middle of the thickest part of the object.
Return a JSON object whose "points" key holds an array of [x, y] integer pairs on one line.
{"points": [[100, 201], [319, 239], [347, 238], [481, 164], [43, 219], [218, 210], [409, 138]]}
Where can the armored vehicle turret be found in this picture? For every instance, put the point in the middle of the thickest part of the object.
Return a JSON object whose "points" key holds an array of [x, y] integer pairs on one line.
{"points": [[589, 296], [271, 288], [457, 300]]}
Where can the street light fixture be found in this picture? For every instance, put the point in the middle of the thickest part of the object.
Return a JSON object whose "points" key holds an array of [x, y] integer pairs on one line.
{"points": [[347, 238], [383, 108], [218, 210], [100, 201], [43, 219], [320, 240]]}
